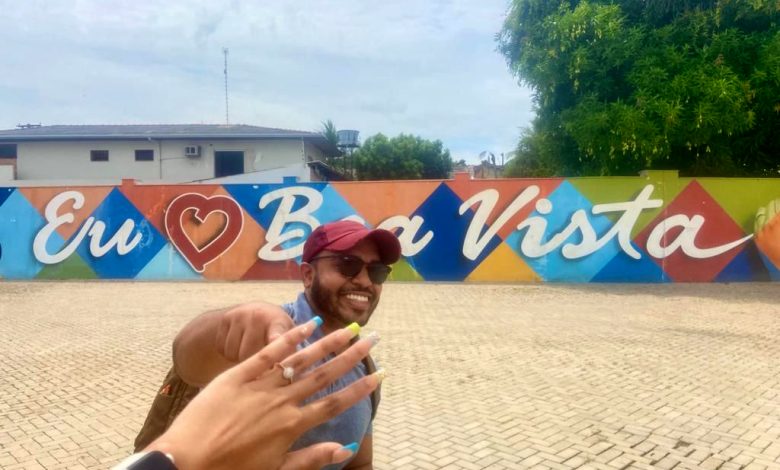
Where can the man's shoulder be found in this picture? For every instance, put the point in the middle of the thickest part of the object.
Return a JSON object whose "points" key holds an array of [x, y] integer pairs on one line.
{"points": [[299, 309]]}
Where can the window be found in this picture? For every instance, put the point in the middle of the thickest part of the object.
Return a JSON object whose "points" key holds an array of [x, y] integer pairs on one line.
{"points": [[228, 163], [7, 150], [144, 155], [98, 155]]}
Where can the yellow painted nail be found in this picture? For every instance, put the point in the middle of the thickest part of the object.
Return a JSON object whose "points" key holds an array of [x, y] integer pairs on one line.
{"points": [[380, 375], [354, 328]]}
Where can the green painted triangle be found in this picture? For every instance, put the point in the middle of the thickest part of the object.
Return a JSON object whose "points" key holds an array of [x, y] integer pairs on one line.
{"points": [[403, 271], [741, 197], [72, 268], [605, 190]]}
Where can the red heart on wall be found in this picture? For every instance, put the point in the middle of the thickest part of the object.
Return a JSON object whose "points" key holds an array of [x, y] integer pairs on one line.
{"points": [[199, 256]]}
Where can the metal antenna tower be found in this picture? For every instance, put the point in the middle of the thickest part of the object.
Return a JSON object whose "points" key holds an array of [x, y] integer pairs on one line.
{"points": [[227, 108]]}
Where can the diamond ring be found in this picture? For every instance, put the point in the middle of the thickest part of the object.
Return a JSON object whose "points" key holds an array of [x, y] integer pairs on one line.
{"points": [[287, 372]]}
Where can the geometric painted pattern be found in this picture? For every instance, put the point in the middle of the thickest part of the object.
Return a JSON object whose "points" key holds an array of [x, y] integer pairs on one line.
{"points": [[546, 230], [718, 229]]}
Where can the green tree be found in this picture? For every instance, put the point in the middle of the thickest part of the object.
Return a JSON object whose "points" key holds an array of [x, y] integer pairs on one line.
{"points": [[403, 157], [330, 132], [624, 85]]}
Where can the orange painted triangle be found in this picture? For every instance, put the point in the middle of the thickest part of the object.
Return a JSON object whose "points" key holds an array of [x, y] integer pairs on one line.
{"points": [[503, 265], [93, 195], [376, 201], [273, 271], [508, 190], [242, 255], [152, 200]]}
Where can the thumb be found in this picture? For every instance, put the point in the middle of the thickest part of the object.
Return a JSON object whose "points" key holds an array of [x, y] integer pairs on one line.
{"points": [[317, 456]]}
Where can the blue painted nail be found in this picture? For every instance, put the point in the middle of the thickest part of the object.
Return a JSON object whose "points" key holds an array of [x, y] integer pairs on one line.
{"points": [[318, 321], [352, 447]]}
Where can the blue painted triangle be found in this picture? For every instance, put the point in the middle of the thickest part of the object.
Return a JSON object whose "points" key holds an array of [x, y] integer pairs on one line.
{"points": [[21, 223], [442, 259], [4, 193], [623, 268], [168, 264], [745, 267]]}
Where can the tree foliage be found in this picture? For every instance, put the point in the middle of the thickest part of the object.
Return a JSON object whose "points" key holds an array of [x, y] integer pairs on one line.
{"points": [[330, 133], [624, 85], [401, 157]]}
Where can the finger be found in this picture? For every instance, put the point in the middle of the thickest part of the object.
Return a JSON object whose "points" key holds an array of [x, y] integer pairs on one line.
{"points": [[221, 337], [325, 374], [279, 326], [317, 456], [264, 359], [308, 356], [250, 344], [233, 342], [322, 410]]}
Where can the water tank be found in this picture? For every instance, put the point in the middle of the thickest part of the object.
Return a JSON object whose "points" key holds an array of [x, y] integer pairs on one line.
{"points": [[348, 138]]}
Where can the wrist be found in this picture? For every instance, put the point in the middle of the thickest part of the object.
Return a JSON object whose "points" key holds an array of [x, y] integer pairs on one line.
{"points": [[186, 457], [172, 451]]}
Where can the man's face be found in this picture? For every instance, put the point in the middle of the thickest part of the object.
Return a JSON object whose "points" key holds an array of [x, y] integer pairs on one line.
{"points": [[339, 299]]}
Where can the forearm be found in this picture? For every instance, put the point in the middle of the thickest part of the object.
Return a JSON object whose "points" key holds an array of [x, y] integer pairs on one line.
{"points": [[195, 355]]}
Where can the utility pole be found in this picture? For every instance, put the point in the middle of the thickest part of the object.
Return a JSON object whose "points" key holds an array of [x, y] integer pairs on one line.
{"points": [[227, 108]]}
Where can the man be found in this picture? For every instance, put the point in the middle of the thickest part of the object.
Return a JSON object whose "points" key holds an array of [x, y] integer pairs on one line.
{"points": [[344, 266]]}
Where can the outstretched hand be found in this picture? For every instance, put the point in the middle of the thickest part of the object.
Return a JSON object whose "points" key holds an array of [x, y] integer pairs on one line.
{"points": [[247, 328]]}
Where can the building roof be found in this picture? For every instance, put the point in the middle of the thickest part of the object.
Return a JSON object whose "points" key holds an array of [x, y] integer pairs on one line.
{"points": [[157, 131]]}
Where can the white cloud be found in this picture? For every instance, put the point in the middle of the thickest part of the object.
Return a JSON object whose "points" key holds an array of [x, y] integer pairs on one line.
{"points": [[428, 68]]}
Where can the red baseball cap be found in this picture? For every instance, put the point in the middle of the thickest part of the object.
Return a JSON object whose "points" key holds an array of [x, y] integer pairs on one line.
{"points": [[345, 234]]}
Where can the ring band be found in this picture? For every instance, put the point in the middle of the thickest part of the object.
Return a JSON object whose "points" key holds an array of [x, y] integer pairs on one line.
{"points": [[287, 372]]}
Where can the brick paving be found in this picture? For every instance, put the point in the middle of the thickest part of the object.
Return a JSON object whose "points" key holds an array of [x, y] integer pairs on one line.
{"points": [[480, 376]]}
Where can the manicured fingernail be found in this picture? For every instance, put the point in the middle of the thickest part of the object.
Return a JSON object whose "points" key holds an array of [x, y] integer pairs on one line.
{"points": [[354, 328], [373, 337], [345, 453], [380, 375], [352, 447], [317, 321]]}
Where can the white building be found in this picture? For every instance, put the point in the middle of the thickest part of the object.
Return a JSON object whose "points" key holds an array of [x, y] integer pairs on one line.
{"points": [[162, 153]]}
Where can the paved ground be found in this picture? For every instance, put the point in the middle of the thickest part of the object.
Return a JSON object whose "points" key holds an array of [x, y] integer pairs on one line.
{"points": [[481, 377]]}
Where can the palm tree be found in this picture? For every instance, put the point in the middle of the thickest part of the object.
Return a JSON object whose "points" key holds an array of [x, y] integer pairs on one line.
{"points": [[330, 132]]}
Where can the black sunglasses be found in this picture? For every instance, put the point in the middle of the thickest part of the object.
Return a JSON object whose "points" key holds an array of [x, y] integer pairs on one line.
{"points": [[350, 266]]}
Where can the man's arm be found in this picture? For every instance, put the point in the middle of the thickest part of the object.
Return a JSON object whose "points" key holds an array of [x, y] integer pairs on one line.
{"points": [[364, 460], [217, 340]]}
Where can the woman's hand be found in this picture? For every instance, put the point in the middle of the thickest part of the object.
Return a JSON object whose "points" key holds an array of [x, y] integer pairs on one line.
{"points": [[250, 415]]}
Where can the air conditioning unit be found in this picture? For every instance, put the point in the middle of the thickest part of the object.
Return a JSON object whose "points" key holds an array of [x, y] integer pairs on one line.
{"points": [[192, 151]]}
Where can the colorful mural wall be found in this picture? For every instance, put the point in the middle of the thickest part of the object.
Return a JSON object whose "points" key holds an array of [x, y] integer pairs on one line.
{"points": [[652, 228]]}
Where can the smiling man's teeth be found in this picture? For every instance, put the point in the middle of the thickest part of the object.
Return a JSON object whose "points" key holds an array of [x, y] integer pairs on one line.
{"points": [[359, 298]]}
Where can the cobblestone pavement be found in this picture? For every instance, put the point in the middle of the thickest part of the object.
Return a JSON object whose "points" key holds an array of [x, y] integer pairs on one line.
{"points": [[480, 376]]}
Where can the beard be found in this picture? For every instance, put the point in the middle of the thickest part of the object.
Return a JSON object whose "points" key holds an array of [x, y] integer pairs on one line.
{"points": [[327, 303]]}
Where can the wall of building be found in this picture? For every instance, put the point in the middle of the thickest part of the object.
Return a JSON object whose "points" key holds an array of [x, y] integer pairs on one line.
{"points": [[653, 228], [299, 172], [312, 153], [71, 160], [6, 173]]}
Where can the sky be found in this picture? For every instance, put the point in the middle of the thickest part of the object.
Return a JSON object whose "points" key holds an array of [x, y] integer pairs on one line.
{"points": [[428, 68]]}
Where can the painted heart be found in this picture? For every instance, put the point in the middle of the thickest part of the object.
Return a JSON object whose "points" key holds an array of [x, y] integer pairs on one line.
{"points": [[199, 256]]}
